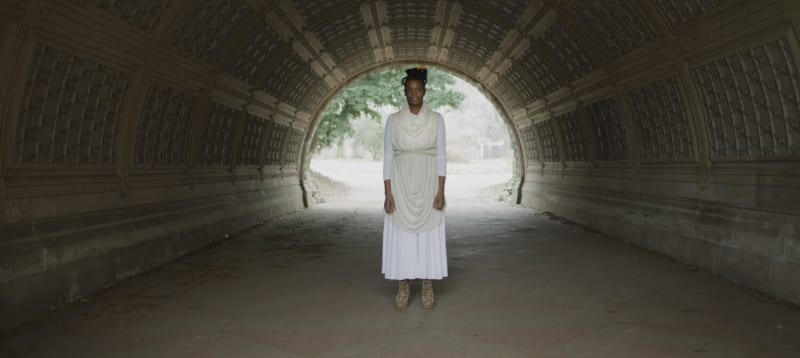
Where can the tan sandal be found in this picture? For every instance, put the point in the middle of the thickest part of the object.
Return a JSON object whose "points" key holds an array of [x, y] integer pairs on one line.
{"points": [[427, 294], [403, 294]]}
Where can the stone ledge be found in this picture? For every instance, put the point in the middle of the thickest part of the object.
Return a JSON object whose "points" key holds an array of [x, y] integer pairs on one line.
{"points": [[758, 249], [117, 244]]}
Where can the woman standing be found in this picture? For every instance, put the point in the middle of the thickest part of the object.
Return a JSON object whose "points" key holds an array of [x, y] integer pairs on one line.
{"points": [[414, 171]]}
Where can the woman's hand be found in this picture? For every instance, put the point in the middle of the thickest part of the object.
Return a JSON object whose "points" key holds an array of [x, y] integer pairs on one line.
{"points": [[388, 203], [438, 200]]}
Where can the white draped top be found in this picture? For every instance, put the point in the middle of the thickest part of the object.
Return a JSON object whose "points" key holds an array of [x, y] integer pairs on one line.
{"points": [[414, 157]]}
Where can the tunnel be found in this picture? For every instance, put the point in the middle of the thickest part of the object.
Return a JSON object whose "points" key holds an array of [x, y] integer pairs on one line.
{"points": [[134, 132]]}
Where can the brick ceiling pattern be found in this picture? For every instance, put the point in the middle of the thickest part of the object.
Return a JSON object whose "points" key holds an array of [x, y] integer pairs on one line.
{"points": [[543, 62], [585, 36]]}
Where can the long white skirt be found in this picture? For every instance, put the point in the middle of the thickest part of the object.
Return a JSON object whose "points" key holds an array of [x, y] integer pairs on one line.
{"points": [[408, 256]]}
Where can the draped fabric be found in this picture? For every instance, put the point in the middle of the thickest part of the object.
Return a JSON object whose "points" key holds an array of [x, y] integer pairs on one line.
{"points": [[414, 176], [414, 256], [414, 235]]}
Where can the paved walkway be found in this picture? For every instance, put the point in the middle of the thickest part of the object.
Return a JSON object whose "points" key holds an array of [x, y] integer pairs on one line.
{"points": [[522, 284]]}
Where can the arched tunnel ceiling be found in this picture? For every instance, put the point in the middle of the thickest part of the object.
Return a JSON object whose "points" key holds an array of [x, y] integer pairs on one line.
{"points": [[242, 81], [133, 131]]}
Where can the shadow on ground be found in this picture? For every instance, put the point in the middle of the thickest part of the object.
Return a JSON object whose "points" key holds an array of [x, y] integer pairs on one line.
{"points": [[522, 283]]}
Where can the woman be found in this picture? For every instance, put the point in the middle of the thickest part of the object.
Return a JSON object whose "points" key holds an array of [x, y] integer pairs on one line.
{"points": [[414, 171]]}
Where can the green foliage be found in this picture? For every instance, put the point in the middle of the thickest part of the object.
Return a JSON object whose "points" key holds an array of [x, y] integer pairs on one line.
{"points": [[375, 90], [369, 134]]}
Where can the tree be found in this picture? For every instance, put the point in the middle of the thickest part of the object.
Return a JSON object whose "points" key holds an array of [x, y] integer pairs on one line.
{"points": [[369, 134], [377, 89]]}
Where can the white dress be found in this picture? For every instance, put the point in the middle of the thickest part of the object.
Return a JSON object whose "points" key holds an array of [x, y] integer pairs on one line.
{"points": [[414, 157]]}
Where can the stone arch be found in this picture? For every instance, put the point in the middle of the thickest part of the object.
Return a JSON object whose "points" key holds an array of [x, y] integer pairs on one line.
{"points": [[513, 134], [672, 124]]}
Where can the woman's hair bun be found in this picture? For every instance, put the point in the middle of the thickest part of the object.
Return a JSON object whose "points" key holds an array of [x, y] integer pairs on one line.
{"points": [[416, 73]]}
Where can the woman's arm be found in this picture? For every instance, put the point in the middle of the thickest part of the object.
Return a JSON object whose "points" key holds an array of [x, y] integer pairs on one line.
{"points": [[441, 166], [388, 155], [388, 201], [438, 201]]}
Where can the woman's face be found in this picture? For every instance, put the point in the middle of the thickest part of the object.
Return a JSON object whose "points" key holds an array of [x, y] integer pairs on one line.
{"points": [[415, 91]]}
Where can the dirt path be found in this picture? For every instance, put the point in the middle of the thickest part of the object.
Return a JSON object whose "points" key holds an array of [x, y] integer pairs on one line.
{"points": [[522, 284]]}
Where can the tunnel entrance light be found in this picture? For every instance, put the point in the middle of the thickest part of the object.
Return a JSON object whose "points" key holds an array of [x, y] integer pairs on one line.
{"points": [[480, 150]]}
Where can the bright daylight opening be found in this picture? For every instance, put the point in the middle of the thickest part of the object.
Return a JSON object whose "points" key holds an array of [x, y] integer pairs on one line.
{"points": [[347, 162]]}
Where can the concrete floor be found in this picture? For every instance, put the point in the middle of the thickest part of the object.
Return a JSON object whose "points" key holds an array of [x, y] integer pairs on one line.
{"points": [[522, 284]]}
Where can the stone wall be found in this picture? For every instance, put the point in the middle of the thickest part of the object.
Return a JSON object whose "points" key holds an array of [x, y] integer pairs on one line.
{"points": [[725, 229], [133, 133], [690, 149], [48, 262]]}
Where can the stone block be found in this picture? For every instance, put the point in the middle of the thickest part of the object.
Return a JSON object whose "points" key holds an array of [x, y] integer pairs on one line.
{"points": [[705, 254], [782, 280], [20, 259], [744, 267]]}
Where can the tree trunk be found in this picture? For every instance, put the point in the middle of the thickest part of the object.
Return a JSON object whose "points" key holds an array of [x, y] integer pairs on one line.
{"points": [[340, 150]]}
